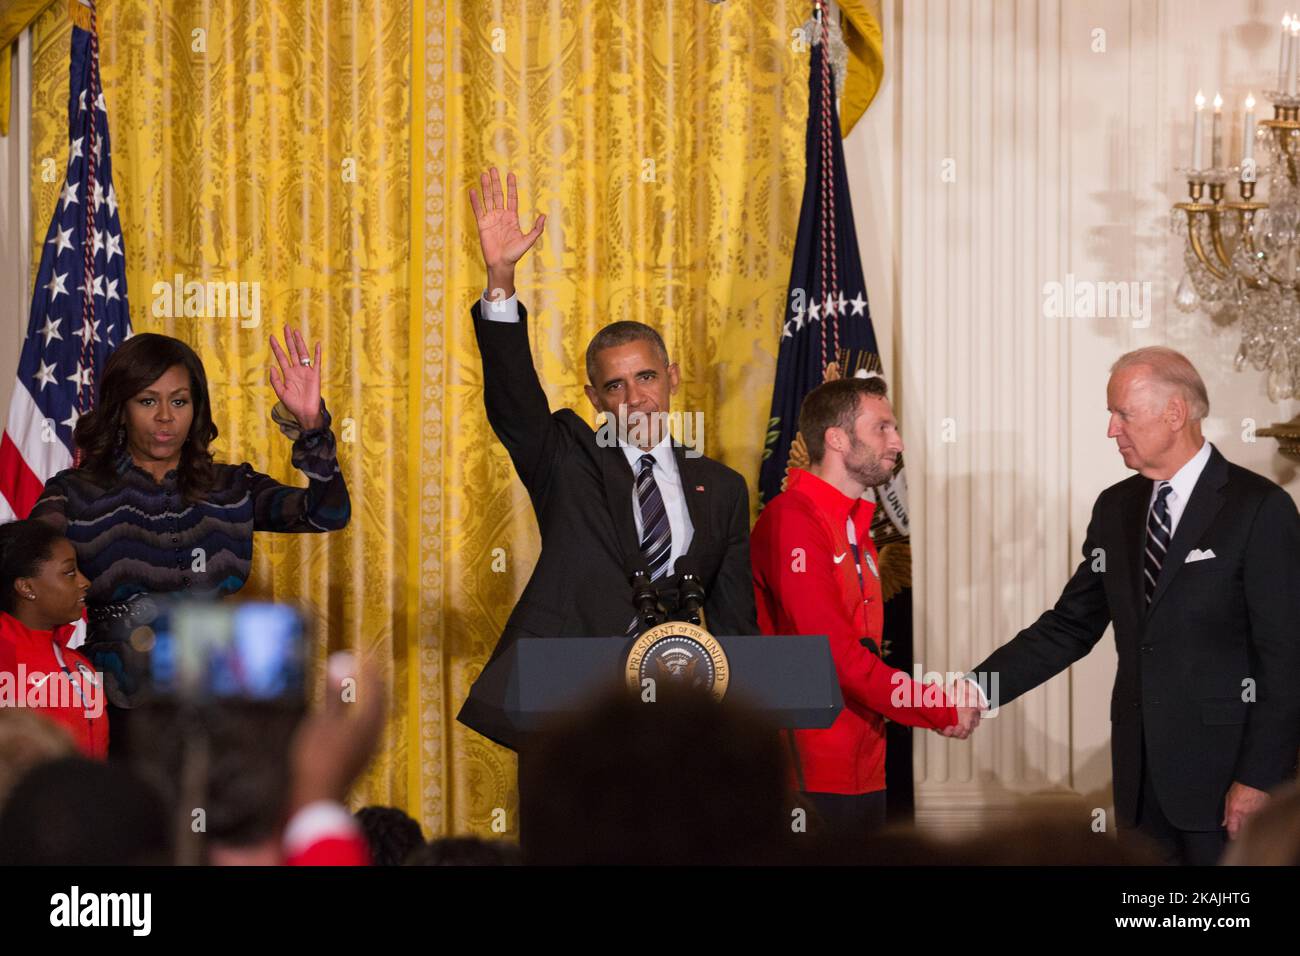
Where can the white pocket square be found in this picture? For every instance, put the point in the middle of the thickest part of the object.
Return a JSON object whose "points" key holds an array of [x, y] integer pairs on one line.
{"points": [[1196, 554]]}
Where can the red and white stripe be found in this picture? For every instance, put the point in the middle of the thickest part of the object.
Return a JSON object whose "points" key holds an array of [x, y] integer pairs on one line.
{"points": [[31, 452]]}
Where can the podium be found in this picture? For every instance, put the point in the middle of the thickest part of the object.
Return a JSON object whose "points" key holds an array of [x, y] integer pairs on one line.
{"points": [[790, 679]]}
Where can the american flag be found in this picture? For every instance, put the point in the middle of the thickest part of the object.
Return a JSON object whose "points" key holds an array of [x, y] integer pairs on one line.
{"points": [[79, 311]]}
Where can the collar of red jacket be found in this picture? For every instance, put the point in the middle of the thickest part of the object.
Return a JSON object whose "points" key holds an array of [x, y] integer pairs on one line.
{"points": [[15, 628], [830, 500]]}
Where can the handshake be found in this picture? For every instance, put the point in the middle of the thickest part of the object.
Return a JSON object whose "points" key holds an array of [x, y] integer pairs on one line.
{"points": [[971, 703]]}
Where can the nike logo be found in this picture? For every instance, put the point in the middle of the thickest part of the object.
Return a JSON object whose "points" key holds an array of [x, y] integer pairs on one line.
{"points": [[841, 557], [36, 680]]}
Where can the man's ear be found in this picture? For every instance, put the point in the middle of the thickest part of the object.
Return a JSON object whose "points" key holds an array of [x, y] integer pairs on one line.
{"points": [[674, 378], [591, 396], [1176, 412]]}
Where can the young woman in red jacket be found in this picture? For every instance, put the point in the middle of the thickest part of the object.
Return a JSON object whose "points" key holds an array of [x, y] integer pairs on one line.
{"points": [[42, 596]]}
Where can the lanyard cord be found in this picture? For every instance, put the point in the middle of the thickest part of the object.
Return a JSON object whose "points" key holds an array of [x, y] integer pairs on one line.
{"points": [[72, 678]]}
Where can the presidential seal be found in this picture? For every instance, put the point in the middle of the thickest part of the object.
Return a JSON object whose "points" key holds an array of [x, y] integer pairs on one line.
{"points": [[677, 654]]}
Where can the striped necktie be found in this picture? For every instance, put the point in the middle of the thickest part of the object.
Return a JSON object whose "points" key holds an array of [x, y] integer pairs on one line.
{"points": [[656, 535], [1158, 537]]}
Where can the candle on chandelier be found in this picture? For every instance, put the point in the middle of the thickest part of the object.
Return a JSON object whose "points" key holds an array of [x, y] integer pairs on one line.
{"points": [[1284, 55], [1248, 138], [1198, 131], [1294, 56], [1216, 134]]}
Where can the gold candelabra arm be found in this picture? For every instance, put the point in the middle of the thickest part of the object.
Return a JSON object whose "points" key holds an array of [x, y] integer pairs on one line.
{"points": [[1194, 209], [1216, 240], [1243, 230], [1287, 435]]}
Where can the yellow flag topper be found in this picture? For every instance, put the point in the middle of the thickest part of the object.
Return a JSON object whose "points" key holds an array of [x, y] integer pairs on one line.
{"points": [[81, 13], [866, 59]]}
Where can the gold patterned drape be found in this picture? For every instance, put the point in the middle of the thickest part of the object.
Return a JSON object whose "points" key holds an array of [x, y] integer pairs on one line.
{"points": [[664, 141], [262, 143], [324, 151]]}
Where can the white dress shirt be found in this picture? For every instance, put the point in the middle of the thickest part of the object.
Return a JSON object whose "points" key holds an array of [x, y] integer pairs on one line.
{"points": [[507, 310], [669, 479], [666, 474], [1181, 485]]}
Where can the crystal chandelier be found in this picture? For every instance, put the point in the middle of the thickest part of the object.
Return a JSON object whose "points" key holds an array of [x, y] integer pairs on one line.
{"points": [[1242, 257]]}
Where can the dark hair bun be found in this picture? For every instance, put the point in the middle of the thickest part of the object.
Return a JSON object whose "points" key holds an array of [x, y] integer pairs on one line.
{"points": [[24, 547]]}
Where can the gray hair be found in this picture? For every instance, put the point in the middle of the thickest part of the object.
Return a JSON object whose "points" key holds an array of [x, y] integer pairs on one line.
{"points": [[1170, 368], [621, 333]]}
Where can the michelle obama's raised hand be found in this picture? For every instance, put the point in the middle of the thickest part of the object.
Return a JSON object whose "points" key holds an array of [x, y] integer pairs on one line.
{"points": [[297, 379]]}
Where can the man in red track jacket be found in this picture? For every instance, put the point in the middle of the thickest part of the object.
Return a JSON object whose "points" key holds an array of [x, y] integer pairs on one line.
{"points": [[815, 572]]}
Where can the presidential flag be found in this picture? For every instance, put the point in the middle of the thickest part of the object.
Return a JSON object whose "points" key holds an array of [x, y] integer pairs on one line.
{"points": [[79, 310], [827, 328], [827, 334]]}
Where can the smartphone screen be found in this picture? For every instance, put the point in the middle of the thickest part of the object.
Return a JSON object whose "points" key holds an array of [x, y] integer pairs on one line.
{"points": [[250, 651]]}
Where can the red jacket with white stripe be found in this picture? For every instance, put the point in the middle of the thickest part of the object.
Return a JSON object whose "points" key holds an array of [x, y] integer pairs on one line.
{"points": [[806, 581], [57, 682]]}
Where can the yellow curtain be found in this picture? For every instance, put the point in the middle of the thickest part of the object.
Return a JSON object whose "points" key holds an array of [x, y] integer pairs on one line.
{"points": [[328, 160], [15, 17], [664, 141], [260, 143]]}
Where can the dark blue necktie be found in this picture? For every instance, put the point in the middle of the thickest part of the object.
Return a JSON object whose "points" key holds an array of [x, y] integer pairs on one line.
{"points": [[1158, 537], [656, 535]]}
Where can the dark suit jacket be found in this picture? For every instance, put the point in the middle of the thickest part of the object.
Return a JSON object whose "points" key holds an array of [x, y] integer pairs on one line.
{"points": [[1214, 629], [582, 494]]}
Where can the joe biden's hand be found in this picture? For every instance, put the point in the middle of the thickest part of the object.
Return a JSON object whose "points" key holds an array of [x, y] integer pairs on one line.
{"points": [[1242, 801]]}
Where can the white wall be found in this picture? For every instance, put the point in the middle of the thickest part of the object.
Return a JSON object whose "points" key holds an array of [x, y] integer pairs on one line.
{"points": [[1064, 163], [15, 222]]}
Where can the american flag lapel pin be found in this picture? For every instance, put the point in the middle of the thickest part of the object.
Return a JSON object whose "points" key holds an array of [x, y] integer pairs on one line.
{"points": [[699, 487]]}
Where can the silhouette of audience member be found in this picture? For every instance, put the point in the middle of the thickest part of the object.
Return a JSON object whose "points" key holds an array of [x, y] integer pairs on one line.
{"points": [[465, 851], [270, 776], [390, 833], [684, 780], [1062, 837], [243, 794], [26, 740], [79, 812]]}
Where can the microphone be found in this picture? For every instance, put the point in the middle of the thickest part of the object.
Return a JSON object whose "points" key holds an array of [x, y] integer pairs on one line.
{"points": [[690, 598], [646, 598]]}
